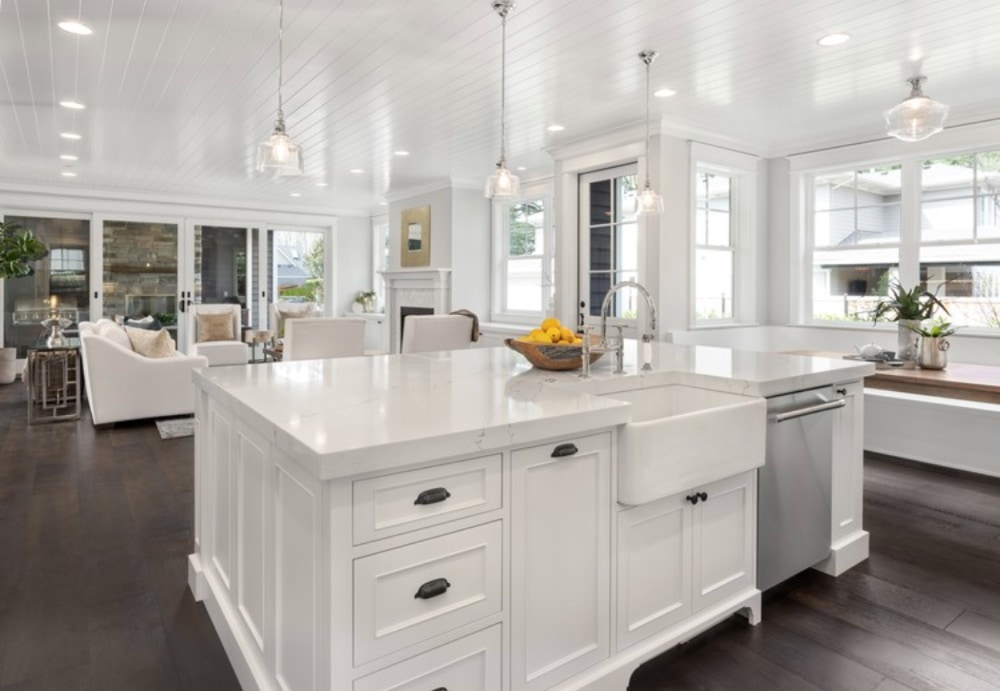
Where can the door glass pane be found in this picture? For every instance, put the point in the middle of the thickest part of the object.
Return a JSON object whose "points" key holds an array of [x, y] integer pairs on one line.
{"points": [[613, 248], [223, 266], [295, 269], [140, 271], [63, 275]]}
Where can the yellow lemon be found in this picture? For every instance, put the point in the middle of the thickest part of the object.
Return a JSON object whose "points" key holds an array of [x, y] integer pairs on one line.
{"points": [[542, 337], [526, 339], [566, 334], [535, 333], [550, 323], [553, 333], [577, 341]]}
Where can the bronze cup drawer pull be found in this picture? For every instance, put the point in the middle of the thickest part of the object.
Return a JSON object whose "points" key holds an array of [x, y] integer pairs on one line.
{"points": [[431, 496], [438, 586]]}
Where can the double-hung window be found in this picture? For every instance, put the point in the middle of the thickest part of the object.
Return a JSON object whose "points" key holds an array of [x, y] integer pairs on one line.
{"points": [[523, 247], [724, 213], [928, 222]]}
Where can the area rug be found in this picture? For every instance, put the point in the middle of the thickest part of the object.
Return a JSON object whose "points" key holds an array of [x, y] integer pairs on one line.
{"points": [[178, 427]]}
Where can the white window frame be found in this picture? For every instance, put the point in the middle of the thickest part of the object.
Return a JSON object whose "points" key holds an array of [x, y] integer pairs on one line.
{"points": [[909, 246], [741, 169], [499, 312]]}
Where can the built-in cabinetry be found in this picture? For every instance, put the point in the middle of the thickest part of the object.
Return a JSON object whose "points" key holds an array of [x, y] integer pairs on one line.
{"points": [[376, 331], [679, 555], [487, 573]]}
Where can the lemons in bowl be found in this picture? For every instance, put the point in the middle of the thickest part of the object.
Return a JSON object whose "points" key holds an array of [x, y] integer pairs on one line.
{"points": [[551, 332]]}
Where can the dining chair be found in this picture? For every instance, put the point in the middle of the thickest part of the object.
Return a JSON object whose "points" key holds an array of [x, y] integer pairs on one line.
{"points": [[426, 333], [323, 337]]}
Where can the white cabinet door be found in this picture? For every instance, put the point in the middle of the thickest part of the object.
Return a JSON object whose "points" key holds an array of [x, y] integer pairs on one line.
{"points": [[654, 568], [724, 538], [560, 560]]}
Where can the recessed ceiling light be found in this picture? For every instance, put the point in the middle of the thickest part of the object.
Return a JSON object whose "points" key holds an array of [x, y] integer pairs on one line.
{"points": [[76, 28], [296, 194], [522, 168], [555, 128], [401, 153], [72, 105], [70, 135], [68, 157], [383, 203], [322, 184], [68, 174], [357, 171], [664, 93], [834, 39]]}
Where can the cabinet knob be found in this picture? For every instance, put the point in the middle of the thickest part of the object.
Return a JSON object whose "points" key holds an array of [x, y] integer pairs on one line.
{"points": [[564, 450], [433, 588], [432, 496], [696, 497]]}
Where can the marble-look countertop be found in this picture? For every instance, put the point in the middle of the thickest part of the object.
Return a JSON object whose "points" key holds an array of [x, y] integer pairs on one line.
{"points": [[347, 416]]}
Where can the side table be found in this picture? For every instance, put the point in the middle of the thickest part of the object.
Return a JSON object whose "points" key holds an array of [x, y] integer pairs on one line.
{"points": [[53, 378], [252, 337]]}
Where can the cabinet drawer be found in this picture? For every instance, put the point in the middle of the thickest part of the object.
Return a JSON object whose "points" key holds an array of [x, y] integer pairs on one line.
{"points": [[406, 595], [401, 502], [471, 663]]}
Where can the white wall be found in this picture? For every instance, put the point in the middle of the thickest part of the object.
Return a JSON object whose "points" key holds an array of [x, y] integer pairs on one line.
{"points": [[470, 251], [352, 266]]}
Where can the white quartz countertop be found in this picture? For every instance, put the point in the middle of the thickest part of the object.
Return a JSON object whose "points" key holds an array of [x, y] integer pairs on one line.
{"points": [[352, 415]]}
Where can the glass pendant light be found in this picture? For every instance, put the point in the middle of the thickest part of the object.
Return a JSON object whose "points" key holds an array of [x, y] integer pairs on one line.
{"points": [[503, 184], [916, 118], [279, 154], [648, 202]]}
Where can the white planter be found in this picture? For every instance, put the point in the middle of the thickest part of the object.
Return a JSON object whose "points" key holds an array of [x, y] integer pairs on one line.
{"points": [[908, 341], [8, 365]]}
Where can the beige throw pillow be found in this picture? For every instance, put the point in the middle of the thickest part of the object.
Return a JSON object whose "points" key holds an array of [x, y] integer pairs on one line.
{"points": [[285, 316], [152, 344], [215, 327]]}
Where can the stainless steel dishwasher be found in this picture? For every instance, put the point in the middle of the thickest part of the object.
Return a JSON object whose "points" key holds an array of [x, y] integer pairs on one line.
{"points": [[793, 514]]}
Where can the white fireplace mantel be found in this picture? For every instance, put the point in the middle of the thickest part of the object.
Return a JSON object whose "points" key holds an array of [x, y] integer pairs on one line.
{"points": [[414, 288]]}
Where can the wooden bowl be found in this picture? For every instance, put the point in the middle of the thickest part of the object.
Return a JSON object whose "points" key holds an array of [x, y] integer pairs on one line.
{"points": [[551, 357]]}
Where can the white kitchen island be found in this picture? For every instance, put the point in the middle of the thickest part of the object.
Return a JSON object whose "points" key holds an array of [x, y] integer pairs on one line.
{"points": [[452, 520]]}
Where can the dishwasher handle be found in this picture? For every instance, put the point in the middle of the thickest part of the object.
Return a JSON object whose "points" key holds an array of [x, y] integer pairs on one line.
{"points": [[808, 410]]}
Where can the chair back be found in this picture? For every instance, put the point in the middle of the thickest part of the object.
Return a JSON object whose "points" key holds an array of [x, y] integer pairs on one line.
{"points": [[282, 310], [194, 335], [426, 333], [323, 337]]}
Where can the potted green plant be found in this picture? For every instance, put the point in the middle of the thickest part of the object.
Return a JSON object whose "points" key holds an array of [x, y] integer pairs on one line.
{"points": [[19, 250], [908, 308], [932, 352], [366, 299]]}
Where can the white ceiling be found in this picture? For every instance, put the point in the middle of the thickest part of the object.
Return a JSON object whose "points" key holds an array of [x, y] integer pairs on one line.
{"points": [[179, 92]]}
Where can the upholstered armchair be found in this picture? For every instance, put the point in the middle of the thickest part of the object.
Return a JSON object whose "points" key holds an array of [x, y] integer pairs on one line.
{"points": [[282, 311], [323, 337], [214, 331]]}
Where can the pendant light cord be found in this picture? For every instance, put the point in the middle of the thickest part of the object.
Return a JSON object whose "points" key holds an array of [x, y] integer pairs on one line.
{"points": [[503, 88], [648, 61], [281, 57]]}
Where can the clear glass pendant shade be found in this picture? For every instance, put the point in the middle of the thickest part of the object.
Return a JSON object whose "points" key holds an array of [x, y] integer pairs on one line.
{"points": [[648, 202], [503, 184], [279, 154], [916, 118]]}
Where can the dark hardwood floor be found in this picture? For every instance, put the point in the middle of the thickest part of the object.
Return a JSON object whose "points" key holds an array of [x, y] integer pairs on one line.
{"points": [[95, 529]]}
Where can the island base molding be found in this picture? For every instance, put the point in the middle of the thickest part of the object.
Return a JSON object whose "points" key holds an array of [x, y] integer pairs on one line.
{"points": [[845, 554]]}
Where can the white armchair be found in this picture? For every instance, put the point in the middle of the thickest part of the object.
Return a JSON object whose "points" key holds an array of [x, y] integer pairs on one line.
{"points": [[124, 385], [214, 337], [283, 311], [424, 333], [323, 337]]}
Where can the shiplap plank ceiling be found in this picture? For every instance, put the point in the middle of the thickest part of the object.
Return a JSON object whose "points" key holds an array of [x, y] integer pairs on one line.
{"points": [[179, 92]]}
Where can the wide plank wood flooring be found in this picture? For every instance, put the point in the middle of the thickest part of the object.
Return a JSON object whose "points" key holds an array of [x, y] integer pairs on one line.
{"points": [[96, 526]]}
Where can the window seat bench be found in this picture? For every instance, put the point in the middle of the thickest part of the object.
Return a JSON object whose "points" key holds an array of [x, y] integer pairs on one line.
{"points": [[948, 417]]}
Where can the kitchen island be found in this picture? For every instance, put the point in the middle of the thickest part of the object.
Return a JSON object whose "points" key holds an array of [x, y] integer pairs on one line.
{"points": [[453, 520]]}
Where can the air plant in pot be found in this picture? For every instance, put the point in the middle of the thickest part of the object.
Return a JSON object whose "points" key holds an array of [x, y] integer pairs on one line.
{"points": [[908, 308]]}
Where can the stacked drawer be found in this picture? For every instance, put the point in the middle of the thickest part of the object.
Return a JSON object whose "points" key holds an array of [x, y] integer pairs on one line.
{"points": [[434, 584]]}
